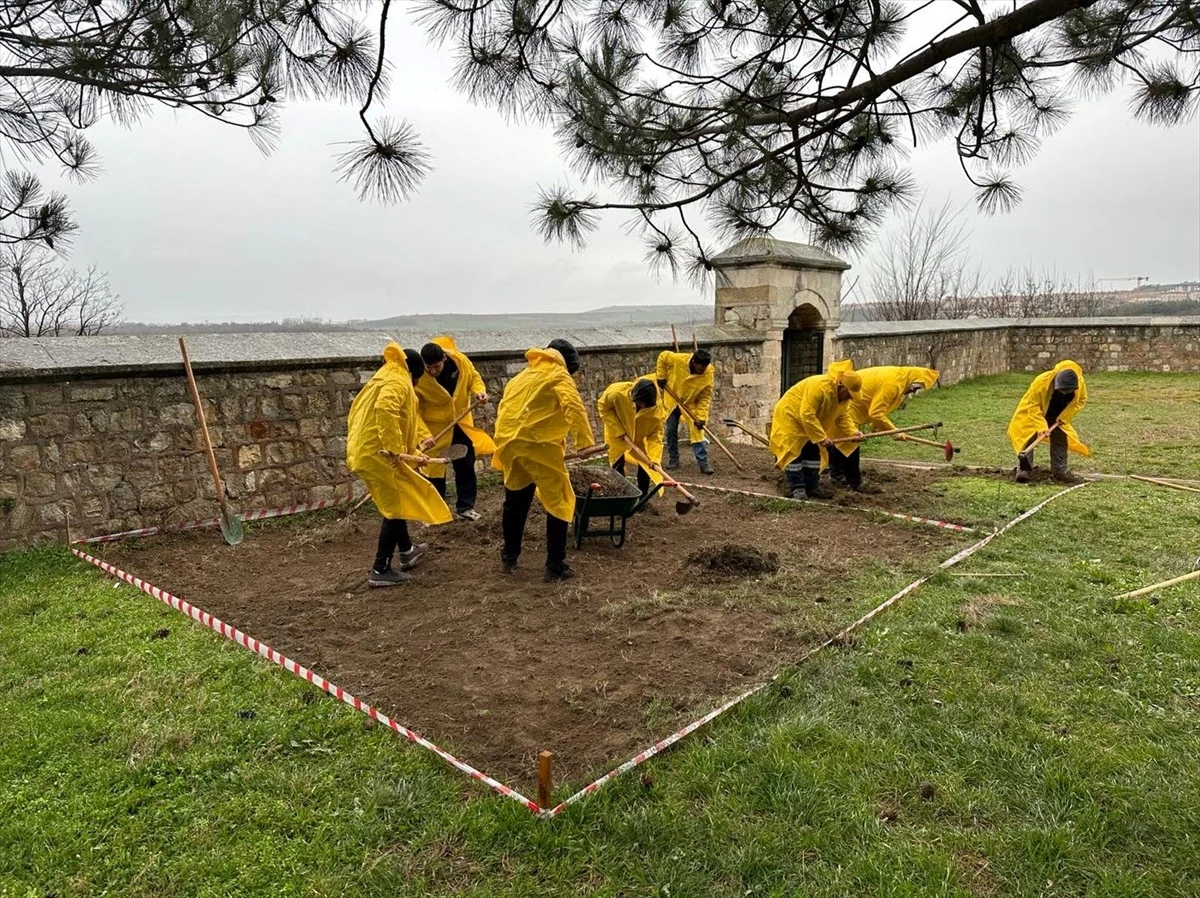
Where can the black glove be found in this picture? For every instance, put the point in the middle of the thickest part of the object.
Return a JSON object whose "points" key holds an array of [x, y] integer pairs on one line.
{"points": [[700, 425], [661, 383]]}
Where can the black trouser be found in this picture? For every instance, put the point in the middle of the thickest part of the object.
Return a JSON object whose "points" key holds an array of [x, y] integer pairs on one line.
{"points": [[804, 471], [643, 476], [465, 484], [513, 518], [846, 467], [393, 535]]}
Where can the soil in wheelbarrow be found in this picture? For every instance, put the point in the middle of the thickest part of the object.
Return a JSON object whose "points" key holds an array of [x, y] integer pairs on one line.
{"points": [[603, 483], [497, 667]]}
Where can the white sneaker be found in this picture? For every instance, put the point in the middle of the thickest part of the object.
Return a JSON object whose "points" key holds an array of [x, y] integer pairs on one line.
{"points": [[469, 515], [408, 560]]}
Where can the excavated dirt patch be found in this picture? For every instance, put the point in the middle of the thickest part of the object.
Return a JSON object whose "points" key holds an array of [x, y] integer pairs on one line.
{"points": [[496, 667]]}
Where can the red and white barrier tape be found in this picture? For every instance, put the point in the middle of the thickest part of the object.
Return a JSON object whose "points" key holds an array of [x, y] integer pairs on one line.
{"points": [[209, 523], [841, 634], [265, 651], [944, 525]]}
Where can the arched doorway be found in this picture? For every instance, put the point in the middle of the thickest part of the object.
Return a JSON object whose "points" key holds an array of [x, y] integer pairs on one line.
{"points": [[803, 346]]}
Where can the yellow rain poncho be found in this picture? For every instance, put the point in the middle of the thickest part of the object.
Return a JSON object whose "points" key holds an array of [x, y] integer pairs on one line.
{"points": [[438, 408], [622, 419], [810, 412], [384, 417], [694, 390], [540, 408], [884, 390], [1030, 417]]}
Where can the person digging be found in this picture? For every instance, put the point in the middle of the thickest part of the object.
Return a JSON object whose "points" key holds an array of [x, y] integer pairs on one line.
{"points": [[806, 421], [690, 377], [539, 409], [1045, 412], [633, 417], [884, 389], [446, 396], [384, 433]]}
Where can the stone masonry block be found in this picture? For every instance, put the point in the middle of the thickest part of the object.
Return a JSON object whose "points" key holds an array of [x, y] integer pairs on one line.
{"points": [[23, 458], [91, 394], [11, 429]]}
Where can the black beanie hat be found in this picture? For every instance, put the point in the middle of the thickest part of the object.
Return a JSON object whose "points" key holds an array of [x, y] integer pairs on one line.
{"points": [[701, 357], [1066, 381], [431, 353], [645, 393], [416, 366], [569, 353]]}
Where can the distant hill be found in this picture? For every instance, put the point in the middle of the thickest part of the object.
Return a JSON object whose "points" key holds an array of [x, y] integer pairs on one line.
{"points": [[609, 316], [686, 316]]}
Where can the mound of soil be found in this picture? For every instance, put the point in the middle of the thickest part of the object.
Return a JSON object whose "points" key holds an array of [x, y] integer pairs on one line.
{"points": [[610, 483], [733, 559]]}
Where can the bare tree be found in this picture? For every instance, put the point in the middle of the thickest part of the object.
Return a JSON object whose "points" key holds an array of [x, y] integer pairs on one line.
{"points": [[1027, 293], [41, 297], [923, 269]]}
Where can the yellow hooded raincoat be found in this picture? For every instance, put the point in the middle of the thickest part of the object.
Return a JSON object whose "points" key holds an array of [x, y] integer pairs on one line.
{"points": [[1030, 417], [540, 408], [695, 390], [438, 408], [884, 390], [384, 417], [621, 418], [810, 412]]}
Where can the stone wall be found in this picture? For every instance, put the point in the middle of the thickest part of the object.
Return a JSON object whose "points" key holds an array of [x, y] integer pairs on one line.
{"points": [[117, 447]]}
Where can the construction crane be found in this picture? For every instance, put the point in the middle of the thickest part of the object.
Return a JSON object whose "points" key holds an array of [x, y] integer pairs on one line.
{"points": [[1139, 280]]}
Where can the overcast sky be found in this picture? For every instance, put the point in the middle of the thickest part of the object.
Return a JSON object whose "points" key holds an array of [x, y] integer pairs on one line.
{"points": [[192, 223]]}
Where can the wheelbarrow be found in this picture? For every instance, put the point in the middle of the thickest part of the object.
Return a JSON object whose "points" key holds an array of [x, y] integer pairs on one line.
{"points": [[589, 506]]}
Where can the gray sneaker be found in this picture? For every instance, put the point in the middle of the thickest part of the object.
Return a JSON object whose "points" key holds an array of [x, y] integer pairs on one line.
{"points": [[390, 577], [408, 560]]}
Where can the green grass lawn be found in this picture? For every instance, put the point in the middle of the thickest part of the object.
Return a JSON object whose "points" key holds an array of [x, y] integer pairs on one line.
{"points": [[1134, 423], [1021, 735]]}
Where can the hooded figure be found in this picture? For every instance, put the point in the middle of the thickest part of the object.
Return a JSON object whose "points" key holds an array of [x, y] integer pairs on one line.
{"points": [[383, 419], [884, 389], [632, 415], [450, 385], [1057, 395], [540, 408], [806, 419], [690, 377]]}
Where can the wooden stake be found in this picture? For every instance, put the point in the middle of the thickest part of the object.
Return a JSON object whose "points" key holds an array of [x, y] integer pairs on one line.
{"points": [[1166, 483], [1152, 587], [695, 345], [545, 761], [674, 339]]}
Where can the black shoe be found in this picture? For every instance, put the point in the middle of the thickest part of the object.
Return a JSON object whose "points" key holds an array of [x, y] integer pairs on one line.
{"points": [[706, 468], [1067, 476], [507, 565], [389, 577], [671, 465], [562, 572], [1022, 475], [818, 493], [867, 489]]}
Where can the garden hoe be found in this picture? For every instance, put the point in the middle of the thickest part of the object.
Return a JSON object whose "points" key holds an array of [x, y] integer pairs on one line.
{"points": [[231, 524], [681, 507]]}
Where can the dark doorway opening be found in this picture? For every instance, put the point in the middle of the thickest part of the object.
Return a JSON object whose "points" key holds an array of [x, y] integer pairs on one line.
{"points": [[803, 346]]}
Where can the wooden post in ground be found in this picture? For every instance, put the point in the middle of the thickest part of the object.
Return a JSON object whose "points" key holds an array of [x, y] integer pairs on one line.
{"points": [[674, 339], [545, 760], [695, 345]]}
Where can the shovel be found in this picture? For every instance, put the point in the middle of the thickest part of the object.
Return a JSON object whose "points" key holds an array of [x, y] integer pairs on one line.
{"points": [[474, 404], [948, 448], [231, 524], [716, 439], [754, 434], [452, 453], [682, 507]]}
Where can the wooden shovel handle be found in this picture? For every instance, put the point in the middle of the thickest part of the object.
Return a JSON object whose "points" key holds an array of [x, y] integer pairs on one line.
{"points": [[1042, 437], [475, 403], [716, 439], [208, 449], [589, 452]]}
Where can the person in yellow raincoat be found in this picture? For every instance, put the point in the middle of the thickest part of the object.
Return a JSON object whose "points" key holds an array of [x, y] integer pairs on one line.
{"points": [[450, 386], [884, 389], [384, 423], [540, 408], [806, 420], [690, 377], [1055, 397], [633, 416]]}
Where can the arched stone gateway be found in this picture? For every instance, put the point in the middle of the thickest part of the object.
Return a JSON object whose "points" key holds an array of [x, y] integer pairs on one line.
{"points": [[792, 293], [803, 350]]}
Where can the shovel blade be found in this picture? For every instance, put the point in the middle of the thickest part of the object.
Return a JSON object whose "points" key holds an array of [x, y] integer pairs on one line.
{"points": [[231, 525], [455, 452], [683, 507]]}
